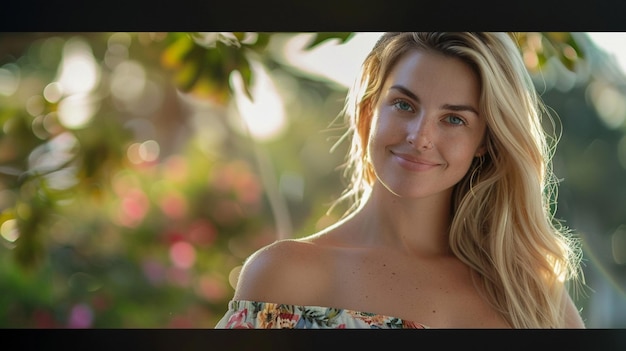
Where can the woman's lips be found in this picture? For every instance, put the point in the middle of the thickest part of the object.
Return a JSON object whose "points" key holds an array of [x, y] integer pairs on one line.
{"points": [[413, 163]]}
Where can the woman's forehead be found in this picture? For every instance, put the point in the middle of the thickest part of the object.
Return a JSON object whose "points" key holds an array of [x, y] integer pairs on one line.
{"points": [[423, 72]]}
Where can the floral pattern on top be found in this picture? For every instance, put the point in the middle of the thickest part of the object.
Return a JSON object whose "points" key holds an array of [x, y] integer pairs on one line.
{"points": [[244, 314]]}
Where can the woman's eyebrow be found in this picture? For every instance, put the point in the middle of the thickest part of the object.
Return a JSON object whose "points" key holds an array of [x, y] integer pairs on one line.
{"points": [[405, 91], [458, 108]]}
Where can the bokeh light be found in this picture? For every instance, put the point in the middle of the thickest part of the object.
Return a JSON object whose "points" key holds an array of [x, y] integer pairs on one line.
{"points": [[202, 233], [81, 316], [76, 111], [78, 72], [264, 114], [133, 208], [78, 76], [9, 230], [9, 79], [211, 288], [609, 103], [53, 92], [144, 152], [128, 81], [173, 204], [35, 105], [183, 254]]}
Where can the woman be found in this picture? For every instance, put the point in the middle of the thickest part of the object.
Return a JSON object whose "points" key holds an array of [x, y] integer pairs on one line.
{"points": [[452, 187]]}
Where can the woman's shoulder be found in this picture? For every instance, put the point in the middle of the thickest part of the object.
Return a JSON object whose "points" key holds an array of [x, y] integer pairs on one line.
{"points": [[279, 252], [297, 250], [280, 270]]}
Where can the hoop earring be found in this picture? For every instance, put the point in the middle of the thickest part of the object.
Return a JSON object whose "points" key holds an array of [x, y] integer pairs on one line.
{"points": [[477, 165]]}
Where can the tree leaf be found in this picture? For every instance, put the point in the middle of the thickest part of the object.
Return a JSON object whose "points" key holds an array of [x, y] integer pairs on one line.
{"points": [[324, 36]]}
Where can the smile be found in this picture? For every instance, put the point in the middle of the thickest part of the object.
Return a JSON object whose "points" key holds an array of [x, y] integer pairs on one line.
{"points": [[412, 163]]}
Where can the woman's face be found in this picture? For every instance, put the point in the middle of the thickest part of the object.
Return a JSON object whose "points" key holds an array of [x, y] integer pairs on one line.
{"points": [[426, 127]]}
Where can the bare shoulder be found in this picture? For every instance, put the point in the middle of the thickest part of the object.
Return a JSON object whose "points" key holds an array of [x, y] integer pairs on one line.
{"points": [[285, 271], [573, 320]]}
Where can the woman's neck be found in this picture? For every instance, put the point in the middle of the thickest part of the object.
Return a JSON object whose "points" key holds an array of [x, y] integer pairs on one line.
{"points": [[416, 226]]}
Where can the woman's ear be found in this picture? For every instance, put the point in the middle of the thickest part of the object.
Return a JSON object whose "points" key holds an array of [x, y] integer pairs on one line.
{"points": [[482, 149]]}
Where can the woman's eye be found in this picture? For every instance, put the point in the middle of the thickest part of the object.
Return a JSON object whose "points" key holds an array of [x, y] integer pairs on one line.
{"points": [[452, 119], [402, 105]]}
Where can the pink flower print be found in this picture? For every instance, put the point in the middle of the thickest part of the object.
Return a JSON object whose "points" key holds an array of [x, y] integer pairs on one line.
{"points": [[238, 320]]}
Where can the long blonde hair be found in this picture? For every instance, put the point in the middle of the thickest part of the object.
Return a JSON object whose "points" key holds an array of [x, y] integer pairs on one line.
{"points": [[503, 223]]}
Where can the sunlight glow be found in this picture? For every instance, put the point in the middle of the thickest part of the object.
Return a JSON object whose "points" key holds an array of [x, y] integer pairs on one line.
{"points": [[78, 72], [77, 110], [338, 62], [613, 43], [78, 76], [264, 116]]}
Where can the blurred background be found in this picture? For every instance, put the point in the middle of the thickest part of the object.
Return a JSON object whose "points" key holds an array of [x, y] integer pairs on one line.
{"points": [[138, 170]]}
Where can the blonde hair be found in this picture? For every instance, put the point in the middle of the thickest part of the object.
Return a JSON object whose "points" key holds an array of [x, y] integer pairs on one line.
{"points": [[503, 223]]}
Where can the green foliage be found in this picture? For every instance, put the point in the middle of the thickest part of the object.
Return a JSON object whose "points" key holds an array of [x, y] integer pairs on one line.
{"points": [[324, 36], [538, 48], [93, 234], [203, 62]]}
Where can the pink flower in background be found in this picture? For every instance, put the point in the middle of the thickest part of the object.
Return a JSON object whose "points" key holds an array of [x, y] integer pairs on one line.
{"points": [[202, 232], [133, 208], [81, 316], [174, 205], [211, 288], [175, 168], [182, 254], [248, 188]]}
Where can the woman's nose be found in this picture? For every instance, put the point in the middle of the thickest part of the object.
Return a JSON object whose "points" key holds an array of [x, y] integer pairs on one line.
{"points": [[420, 133]]}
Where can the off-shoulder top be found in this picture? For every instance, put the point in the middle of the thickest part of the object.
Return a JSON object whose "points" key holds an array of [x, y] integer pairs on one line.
{"points": [[244, 314]]}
